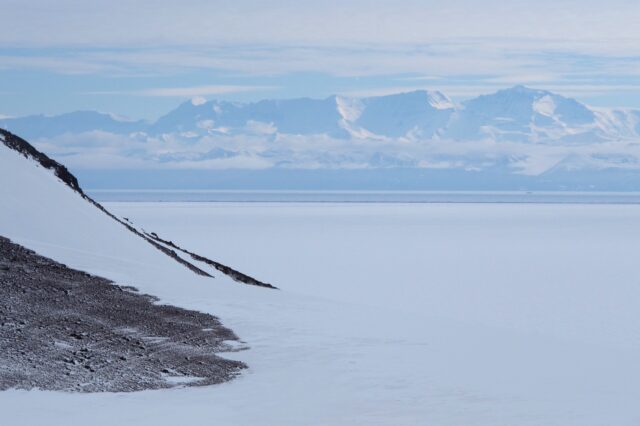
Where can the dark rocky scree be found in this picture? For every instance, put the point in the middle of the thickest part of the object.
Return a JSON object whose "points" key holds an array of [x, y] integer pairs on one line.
{"points": [[62, 329], [25, 148], [236, 275]]}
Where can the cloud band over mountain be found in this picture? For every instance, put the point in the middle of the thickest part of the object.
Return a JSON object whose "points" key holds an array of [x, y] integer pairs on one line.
{"points": [[519, 130]]}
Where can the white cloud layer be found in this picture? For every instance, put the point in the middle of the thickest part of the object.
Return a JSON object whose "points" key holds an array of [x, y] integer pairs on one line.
{"points": [[464, 47], [461, 69], [188, 92], [350, 37], [101, 150]]}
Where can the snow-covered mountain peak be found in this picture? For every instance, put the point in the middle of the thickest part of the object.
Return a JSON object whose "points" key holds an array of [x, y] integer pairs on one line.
{"points": [[510, 97], [523, 99], [525, 90], [418, 113], [198, 100], [515, 114], [523, 114], [433, 98]]}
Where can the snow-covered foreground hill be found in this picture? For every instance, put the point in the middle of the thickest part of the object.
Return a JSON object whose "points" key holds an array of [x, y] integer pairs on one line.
{"points": [[389, 315]]}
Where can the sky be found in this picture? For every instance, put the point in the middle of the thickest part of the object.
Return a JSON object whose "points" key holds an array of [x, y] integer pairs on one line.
{"points": [[141, 58]]}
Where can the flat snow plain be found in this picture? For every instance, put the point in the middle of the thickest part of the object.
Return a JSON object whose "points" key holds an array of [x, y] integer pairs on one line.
{"points": [[396, 314], [427, 313]]}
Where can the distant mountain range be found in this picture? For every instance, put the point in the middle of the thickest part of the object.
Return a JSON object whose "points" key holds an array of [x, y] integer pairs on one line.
{"points": [[518, 114], [516, 131]]}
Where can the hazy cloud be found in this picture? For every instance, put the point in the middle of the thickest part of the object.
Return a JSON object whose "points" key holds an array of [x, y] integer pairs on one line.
{"points": [[102, 150], [189, 92], [333, 22], [462, 47]]}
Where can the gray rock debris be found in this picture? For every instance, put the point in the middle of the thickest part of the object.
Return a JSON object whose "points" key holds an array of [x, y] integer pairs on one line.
{"points": [[62, 329]]}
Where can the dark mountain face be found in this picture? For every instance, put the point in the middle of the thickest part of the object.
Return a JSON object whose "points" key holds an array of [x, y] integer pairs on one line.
{"points": [[25, 148]]}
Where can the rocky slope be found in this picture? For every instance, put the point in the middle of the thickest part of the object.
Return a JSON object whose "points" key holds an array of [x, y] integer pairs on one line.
{"points": [[63, 329]]}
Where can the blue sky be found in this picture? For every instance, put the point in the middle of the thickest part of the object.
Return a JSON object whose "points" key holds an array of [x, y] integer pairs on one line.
{"points": [[143, 58]]}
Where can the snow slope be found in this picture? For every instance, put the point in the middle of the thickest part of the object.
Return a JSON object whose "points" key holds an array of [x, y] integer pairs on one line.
{"points": [[521, 114], [42, 213], [421, 114], [316, 358], [25, 167]]}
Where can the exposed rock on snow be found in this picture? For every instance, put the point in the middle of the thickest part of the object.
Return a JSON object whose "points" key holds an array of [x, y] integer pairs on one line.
{"points": [[230, 272], [62, 329], [20, 145], [26, 149]]}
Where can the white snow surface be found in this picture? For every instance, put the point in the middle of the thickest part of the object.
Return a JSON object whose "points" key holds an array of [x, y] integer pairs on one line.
{"points": [[545, 106], [388, 315]]}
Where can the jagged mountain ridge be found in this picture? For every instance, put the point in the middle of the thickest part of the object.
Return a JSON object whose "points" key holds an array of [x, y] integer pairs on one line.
{"points": [[521, 114], [517, 114]]}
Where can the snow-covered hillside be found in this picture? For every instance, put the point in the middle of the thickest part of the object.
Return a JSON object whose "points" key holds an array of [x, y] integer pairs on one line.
{"points": [[45, 209], [419, 114]]}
